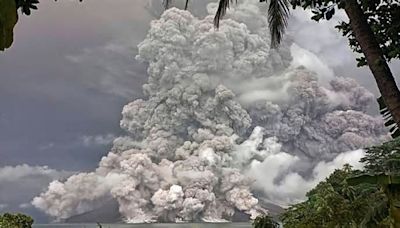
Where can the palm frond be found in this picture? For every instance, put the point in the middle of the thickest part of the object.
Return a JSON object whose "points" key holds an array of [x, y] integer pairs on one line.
{"points": [[186, 4], [222, 8], [376, 214], [278, 14], [388, 118]]}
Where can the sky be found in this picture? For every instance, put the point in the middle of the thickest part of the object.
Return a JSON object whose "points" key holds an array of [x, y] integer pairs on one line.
{"points": [[72, 68]]}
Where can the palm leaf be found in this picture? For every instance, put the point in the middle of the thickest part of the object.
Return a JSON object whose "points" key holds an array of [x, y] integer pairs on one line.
{"points": [[222, 8], [265, 221], [186, 4], [375, 215], [388, 118], [278, 14]]}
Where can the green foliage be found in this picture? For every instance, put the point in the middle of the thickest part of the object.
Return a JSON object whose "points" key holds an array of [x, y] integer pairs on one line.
{"points": [[334, 203], [265, 222], [383, 159], [382, 165], [352, 198], [15, 221], [379, 179], [382, 16]]}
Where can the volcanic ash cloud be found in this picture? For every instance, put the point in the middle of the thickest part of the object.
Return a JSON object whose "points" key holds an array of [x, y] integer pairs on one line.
{"points": [[219, 104]]}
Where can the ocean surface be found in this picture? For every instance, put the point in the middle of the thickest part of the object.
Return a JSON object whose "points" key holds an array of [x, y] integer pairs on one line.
{"points": [[169, 225]]}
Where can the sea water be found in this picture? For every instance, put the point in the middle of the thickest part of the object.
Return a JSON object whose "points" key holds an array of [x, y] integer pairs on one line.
{"points": [[167, 225]]}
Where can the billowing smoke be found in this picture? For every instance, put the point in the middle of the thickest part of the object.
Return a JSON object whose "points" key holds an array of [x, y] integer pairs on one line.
{"points": [[221, 106]]}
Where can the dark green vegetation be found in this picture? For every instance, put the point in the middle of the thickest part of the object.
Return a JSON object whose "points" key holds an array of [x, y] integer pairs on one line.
{"points": [[334, 203], [382, 165], [265, 222], [353, 198], [15, 221]]}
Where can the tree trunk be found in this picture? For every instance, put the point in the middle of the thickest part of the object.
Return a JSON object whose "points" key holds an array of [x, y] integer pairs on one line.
{"points": [[375, 58]]}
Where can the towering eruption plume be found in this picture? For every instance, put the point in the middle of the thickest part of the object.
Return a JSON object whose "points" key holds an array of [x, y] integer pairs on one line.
{"points": [[219, 104]]}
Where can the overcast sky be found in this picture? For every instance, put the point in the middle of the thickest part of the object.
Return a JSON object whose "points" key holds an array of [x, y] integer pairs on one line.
{"points": [[71, 69]]}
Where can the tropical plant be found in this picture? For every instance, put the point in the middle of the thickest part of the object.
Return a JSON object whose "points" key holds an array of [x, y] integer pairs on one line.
{"points": [[334, 203], [383, 159], [353, 198], [265, 221], [382, 168], [8, 220]]}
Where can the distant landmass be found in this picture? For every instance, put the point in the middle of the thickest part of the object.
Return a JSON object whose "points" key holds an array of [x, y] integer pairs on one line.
{"points": [[109, 213]]}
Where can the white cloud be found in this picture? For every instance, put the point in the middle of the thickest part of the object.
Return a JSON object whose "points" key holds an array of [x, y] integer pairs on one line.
{"points": [[321, 38], [109, 68], [95, 140], [19, 184], [47, 146], [303, 57], [25, 205], [284, 185], [326, 42], [15, 173]]}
